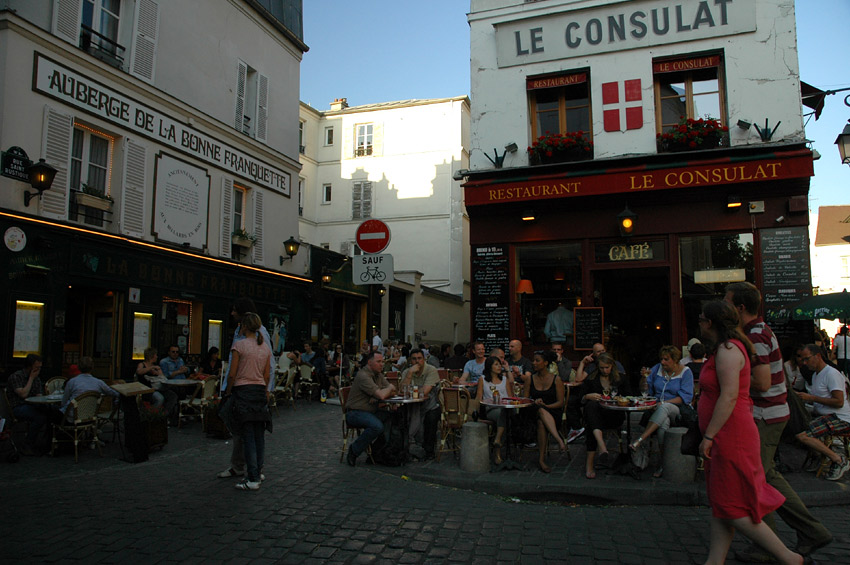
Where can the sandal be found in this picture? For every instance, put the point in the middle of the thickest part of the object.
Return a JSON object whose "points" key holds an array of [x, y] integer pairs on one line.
{"points": [[635, 444], [590, 474], [658, 473]]}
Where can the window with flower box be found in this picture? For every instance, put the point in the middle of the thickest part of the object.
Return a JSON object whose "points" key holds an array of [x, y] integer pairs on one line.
{"points": [[559, 104], [688, 87]]}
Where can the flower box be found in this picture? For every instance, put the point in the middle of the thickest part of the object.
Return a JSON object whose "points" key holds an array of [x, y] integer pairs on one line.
{"points": [[560, 148], [92, 201], [692, 135]]}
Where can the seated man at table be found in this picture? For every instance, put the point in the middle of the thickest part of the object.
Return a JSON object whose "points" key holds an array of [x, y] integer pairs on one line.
{"points": [[84, 382], [368, 389], [588, 363], [474, 367], [520, 365], [173, 366], [424, 417], [21, 385]]}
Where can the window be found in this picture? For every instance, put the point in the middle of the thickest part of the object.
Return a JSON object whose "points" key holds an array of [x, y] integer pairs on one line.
{"points": [[361, 200], [301, 137], [329, 136], [364, 140], [252, 96], [100, 30], [89, 174], [300, 197], [690, 88], [559, 104], [239, 206], [326, 193]]}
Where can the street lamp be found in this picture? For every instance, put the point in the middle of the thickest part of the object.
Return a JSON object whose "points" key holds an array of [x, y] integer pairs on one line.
{"points": [[626, 222], [290, 246], [41, 178], [843, 142]]}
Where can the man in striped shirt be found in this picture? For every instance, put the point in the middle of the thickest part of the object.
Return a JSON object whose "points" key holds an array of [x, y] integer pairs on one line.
{"points": [[771, 413]]}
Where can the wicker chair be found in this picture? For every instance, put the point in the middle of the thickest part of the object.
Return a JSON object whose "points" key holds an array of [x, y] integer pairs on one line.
{"points": [[109, 412], [84, 425], [306, 384], [454, 404], [192, 405], [284, 391], [54, 385], [348, 432]]}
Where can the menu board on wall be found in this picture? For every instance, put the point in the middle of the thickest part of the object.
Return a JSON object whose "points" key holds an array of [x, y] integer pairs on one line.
{"points": [[588, 326], [786, 270], [491, 317]]}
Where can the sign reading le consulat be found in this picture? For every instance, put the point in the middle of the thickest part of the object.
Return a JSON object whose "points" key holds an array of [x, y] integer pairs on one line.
{"points": [[64, 84]]}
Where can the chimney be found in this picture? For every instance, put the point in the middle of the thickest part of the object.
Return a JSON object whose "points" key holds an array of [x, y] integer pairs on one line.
{"points": [[339, 104]]}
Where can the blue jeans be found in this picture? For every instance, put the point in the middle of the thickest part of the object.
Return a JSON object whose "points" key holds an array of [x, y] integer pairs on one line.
{"points": [[372, 428], [254, 443]]}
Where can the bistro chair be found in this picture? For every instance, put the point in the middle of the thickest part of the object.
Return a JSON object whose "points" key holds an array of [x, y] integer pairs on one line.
{"points": [[306, 382], [283, 391], [443, 374], [191, 405], [83, 426], [54, 385], [454, 405], [348, 432], [109, 412]]}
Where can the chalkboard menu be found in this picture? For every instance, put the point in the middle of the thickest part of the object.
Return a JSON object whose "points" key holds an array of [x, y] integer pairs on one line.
{"points": [[786, 270], [588, 325], [491, 317]]}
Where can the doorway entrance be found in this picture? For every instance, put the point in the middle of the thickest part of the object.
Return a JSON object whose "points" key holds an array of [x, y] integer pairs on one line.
{"points": [[637, 314], [93, 329]]}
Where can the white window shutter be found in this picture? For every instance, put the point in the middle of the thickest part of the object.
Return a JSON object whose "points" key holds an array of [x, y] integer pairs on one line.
{"points": [[257, 249], [241, 79], [145, 34], [56, 148], [367, 199], [377, 139], [356, 201], [262, 107], [226, 216], [133, 193], [67, 18]]}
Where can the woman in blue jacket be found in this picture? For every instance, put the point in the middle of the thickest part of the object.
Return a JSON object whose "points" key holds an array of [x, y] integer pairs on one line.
{"points": [[672, 384]]}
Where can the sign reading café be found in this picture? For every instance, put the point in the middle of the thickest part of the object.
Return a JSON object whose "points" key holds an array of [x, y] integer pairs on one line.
{"points": [[568, 186], [68, 86]]}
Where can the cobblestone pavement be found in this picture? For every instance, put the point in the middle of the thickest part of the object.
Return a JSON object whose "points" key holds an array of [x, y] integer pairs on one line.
{"points": [[313, 509]]}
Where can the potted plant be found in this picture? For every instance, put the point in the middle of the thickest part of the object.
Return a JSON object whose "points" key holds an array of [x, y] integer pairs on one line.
{"points": [[93, 197], [692, 135], [242, 238], [560, 148], [154, 425]]}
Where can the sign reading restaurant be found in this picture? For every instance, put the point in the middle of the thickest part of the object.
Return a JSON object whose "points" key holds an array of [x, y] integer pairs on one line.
{"points": [[566, 185], [60, 82], [625, 25]]}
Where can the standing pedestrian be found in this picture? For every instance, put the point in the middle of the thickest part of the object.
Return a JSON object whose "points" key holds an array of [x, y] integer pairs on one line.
{"points": [[249, 386], [737, 491]]}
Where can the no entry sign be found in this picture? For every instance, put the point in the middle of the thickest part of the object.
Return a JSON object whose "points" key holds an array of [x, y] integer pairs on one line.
{"points": [[373, 236]]}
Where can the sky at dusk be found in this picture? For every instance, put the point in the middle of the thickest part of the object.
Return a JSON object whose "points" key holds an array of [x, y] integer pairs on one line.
{"points": [[385, 50]]}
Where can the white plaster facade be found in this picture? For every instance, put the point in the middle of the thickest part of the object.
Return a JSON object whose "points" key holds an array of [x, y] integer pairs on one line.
{"points": [[191, 67], [757, 42], [830, 254], [407, 164]]}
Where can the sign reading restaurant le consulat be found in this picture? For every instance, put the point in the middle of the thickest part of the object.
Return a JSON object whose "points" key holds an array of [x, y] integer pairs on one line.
{"points": [[625, 25], [64, 84], [564, 186]]}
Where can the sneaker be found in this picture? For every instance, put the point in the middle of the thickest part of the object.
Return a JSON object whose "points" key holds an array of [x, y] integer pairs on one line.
{"points": [[574, 435], [324, 396], [838, 469], [531, 445], [229, 473], [245, 484]]}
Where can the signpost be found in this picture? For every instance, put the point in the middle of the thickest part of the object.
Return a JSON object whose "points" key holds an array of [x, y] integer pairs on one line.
{"points": [[373, 236], [372, 269]]}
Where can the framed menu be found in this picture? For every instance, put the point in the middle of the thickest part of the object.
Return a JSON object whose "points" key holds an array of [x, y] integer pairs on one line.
{"points": [[588, 326], [491, 319], [786, 270]]}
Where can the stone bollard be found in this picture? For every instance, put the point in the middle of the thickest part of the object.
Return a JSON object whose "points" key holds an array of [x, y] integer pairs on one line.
{"points": [[678, 468], [475, 448]]}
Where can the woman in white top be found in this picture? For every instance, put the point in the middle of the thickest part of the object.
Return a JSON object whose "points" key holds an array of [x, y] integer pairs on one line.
{"points": [[492, 382]]}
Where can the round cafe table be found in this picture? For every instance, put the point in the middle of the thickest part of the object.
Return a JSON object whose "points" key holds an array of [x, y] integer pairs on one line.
{"points": [[54, 398], [517, 405], [404, 402], [641, 406]]}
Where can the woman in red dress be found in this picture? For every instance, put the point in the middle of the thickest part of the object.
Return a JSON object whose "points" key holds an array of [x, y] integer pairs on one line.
{"points": [[737, 491]]}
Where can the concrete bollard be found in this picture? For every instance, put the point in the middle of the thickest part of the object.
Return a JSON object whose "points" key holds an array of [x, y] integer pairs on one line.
{"points": [[678, 468], [474, 448]]}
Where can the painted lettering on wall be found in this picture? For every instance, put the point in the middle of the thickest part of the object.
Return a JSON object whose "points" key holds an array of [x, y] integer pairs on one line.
{"points": [[634, 252]]}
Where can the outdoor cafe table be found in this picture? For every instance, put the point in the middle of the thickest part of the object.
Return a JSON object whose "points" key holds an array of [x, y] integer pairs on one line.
{"points": [[641, 406], [46, 399], [509, 404], [404, 402], [133, 436]]}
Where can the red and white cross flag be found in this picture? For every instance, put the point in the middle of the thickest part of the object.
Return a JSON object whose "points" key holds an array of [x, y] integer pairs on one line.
{"points": [[620, 98]]}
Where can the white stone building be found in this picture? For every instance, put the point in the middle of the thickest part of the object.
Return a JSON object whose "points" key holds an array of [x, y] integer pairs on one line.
{"points": [[171, 125], [831, 254], [394, 161]]}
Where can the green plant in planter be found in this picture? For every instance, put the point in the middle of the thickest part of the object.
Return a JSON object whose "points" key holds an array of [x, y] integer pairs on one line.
{"points": [[561, 147], [691, 135], [241, 233], [96, 192], [150, 413]]}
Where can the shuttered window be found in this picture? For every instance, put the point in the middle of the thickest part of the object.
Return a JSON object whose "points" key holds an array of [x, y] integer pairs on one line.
{"points": [[361, 200]]}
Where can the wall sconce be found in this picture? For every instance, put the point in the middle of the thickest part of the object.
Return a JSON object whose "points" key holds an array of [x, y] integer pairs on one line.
{"points": [[559, 275], [326, 277], [626, 222], [733, 202], [41, 178], [528, 216], [843, 142], [382, 291], [290, 247]]}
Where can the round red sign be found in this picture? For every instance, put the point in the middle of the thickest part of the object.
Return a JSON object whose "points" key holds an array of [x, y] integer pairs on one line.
{"points": [[373, 236]]}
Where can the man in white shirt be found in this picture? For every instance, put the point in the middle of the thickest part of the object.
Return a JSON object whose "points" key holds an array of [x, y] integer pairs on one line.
{"points": [[377, 342], [828, 395]]}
